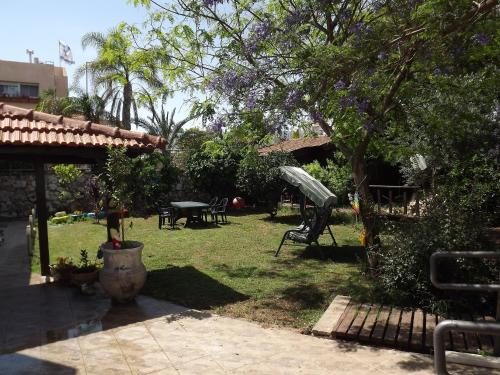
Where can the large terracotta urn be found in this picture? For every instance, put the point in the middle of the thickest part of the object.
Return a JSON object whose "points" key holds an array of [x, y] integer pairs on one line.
{"points": [[123, 274]]}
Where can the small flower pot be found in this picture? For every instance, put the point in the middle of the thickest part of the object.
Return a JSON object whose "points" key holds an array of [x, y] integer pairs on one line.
{"points": [[80, 278], [123, 274]]}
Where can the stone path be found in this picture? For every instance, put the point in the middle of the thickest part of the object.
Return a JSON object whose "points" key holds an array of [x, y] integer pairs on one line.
{"points": [[47, 329], [157, 337]]}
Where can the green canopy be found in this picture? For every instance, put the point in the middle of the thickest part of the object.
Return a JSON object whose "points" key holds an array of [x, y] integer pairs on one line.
{"points": [[309, 186]]}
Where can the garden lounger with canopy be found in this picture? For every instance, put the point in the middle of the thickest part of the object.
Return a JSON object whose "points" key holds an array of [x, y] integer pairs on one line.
{"points": [[312, 227]]}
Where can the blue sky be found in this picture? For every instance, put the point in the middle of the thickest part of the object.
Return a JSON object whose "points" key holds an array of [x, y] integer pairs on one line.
{"points": [[40, 24]]}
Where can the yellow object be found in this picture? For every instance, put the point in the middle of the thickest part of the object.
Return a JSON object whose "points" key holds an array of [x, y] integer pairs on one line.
{"points": [[362, 238]]}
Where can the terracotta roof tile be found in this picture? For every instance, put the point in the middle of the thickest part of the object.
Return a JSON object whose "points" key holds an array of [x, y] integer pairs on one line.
{"points": [[19, 126], [296, 144]]}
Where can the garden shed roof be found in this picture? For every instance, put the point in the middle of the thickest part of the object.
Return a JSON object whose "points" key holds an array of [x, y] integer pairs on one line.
{"points": [[296, 144], [26, 127]]}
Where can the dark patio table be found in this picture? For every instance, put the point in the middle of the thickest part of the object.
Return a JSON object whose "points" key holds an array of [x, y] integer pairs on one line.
{"points": [[192, 211]]}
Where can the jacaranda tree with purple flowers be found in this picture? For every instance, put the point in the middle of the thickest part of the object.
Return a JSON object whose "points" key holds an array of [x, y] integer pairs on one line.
{"points": [[344, 64]]}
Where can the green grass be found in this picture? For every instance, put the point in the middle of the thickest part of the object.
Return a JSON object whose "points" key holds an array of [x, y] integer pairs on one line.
{"points": [[231, 269]]}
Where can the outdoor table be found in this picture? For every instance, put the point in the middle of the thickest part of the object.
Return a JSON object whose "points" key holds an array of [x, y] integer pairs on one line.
{"points": [[192, 211]]}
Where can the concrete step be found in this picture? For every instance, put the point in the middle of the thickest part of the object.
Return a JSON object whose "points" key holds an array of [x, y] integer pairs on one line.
{"points": [[330, 318]]}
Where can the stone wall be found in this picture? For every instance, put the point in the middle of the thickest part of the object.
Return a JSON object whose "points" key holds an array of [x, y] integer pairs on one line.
{"points": [[18, 195], [184, 191]]}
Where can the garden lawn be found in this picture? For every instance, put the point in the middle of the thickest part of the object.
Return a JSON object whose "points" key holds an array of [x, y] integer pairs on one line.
{"points": [[231, 269]]}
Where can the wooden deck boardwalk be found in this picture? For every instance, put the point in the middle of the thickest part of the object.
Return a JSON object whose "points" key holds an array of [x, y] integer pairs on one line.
{"points": [[410, 330]]}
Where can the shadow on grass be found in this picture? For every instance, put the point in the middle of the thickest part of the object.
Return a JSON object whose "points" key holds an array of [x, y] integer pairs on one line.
{"points": [[245, 272], [292, 220], [189, 287], [338, 254], [305, 295]]}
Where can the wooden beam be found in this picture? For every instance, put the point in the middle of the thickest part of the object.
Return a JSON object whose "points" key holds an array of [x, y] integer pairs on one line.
{"points": [[41, 205]]}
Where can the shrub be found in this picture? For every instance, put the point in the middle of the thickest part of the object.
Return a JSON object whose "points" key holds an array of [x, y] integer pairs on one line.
{"points": [[213, 169], [258, 176], [154, 175], [336, 176], [450, 223], [69, 178]]}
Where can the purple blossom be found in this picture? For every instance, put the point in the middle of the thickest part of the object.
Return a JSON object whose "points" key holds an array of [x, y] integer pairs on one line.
{"points": [[218, 124], [339, 85], [345, 14], [376, 5], [262, 30], [259, 33], [457, 51], [369, 126], [382, 55], [232, 81], [438, 71], [292, 99], [251, 102], [370, 71], [363, 105], [317, 117], [348, 101], [209, 3], [481, 39], [294, 18], [359, 28]]}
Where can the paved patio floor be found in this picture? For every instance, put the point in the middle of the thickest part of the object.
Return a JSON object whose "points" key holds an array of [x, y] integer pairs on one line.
{"points": [[48, 329]]}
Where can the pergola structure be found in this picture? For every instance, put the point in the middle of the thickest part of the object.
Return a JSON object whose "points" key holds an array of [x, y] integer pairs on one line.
{"points": [[42, 138]]}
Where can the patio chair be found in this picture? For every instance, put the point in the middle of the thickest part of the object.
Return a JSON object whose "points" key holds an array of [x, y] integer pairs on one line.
{"points": [[220, 209], [166, 214], [310, 229], [211, 204]]}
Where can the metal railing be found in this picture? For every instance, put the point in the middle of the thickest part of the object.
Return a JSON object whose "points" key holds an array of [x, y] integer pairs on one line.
{"points": [[491, 328]]}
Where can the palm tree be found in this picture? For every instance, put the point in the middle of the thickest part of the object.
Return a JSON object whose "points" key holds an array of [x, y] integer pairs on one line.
{"points": [[162, 123], [114, 71]]}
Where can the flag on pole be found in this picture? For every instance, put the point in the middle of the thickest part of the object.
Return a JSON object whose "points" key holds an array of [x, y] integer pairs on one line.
{"points": [[65, 53]]}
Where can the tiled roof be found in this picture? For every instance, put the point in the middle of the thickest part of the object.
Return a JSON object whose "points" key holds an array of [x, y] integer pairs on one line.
{"points": [[20, 126], [296, 144]]}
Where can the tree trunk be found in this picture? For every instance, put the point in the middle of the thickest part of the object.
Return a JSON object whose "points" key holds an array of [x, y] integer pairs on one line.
{"points": [[367, 211], [127, 105]]}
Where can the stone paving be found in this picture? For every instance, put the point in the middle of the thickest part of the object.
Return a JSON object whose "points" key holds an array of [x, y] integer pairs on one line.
{"points": [[48, 329]]}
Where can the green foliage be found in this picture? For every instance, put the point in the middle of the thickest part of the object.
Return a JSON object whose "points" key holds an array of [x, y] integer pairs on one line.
{"points": [[154, 176], [86, 265], [336, 176], [449, 224], [69, 178], [213, 169], [454, 126], [118, 176], [192, 139], [351, 67], [50, 103], [258, 176], [162, 123], [140, 183]]}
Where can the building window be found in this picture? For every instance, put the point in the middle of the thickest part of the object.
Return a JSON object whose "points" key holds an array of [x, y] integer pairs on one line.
{"points": [[9, 89], [18, 90], [30, 91]]}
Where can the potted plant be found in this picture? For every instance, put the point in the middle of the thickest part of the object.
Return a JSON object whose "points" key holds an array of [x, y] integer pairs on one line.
{"points": [[86, 272], [61, 271], [123, 274]]}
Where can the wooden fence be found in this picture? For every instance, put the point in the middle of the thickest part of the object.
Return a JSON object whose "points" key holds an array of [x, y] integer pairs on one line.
{"points": [[396, 196]]}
